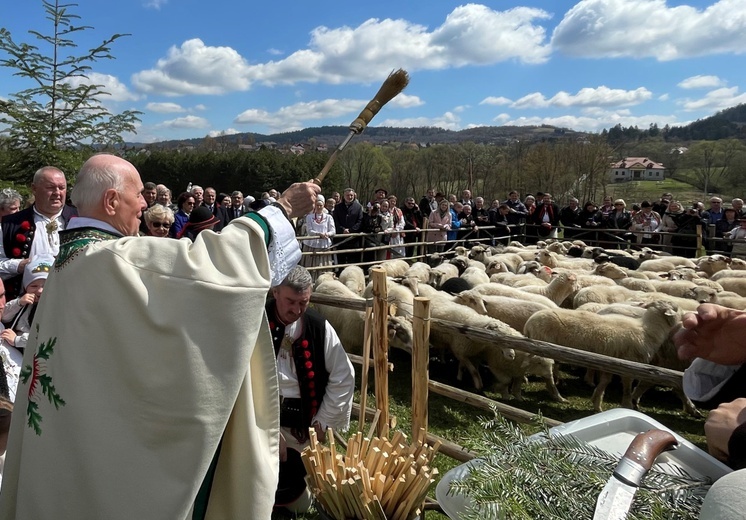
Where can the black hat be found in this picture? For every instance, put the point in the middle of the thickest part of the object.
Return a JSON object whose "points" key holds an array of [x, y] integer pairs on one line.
{"points": [[292, 481], [383, 190], [202, 218]]}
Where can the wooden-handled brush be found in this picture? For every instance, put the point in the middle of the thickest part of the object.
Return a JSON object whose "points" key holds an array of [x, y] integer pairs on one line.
{"points": [[395, 83]]}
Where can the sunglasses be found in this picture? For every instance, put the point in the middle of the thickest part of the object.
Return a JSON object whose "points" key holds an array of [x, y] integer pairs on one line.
{"points": [[160, 224]]}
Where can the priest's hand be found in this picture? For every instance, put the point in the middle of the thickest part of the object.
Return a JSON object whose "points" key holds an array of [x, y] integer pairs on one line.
{"points": [[299, 199]]}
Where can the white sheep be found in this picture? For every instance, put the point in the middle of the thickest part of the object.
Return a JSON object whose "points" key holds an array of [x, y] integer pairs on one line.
{"points": [[508, 310], [463, 262], [731, 300], [637, 284], [603, 294], [510, 374], [712, 264], [685, 304], [354, 278], [665, 264], [419, 270], [562, 286], [497, 289], [738, 264], [555, 261], [517, 280], [394, 268], [350, 323], [612, 335], [736, 285], [443, 272], [728, 273], [475, 276]]}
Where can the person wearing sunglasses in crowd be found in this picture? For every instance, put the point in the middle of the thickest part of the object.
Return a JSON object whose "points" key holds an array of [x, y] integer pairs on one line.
{"points": [[158, 220]]}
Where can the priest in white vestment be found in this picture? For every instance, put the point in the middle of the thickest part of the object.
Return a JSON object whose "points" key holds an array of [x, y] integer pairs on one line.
{"points": [[148, 388]]}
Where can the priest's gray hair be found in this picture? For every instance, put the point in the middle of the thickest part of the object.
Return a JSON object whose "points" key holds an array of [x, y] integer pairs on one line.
{"points": [[92, 182], [298, 279]]}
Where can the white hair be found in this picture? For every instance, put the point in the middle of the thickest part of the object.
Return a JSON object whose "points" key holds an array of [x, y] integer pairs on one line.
{"points": [[92, 182]]}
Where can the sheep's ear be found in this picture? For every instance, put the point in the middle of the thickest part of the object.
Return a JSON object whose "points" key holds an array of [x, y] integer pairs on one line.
{"points": [[392, 309]]}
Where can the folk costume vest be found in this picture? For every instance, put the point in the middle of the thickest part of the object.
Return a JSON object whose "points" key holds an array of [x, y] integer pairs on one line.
{"points": [[18, 234]]}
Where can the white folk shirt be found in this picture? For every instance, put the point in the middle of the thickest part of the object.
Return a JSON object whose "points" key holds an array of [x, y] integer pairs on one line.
{"points": [[46, 241], [336, 405]]}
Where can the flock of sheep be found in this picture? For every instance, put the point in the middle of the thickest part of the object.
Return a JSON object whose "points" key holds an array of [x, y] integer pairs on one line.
{"points": [[613, 302]]}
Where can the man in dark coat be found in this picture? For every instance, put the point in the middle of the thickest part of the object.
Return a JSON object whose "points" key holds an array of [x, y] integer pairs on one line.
{"points": [[546, 218], [348, 217]]}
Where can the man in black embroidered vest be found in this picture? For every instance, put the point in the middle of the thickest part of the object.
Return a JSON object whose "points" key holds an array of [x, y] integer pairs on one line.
{"points": [[316, 379], [34, 231]]}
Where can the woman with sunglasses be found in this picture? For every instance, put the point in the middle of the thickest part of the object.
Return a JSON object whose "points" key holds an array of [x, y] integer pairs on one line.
{"points": [[158, 220], [185, 203]]}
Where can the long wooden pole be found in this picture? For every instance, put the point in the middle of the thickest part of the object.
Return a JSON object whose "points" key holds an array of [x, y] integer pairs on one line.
{"points": [[366, 364], [381, 347], [420, 372]]}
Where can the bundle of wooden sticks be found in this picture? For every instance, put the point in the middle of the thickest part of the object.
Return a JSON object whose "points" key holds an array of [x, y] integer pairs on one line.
{"points": [[376, 479]]}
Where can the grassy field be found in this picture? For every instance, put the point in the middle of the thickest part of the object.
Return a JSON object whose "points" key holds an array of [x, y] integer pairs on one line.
{"points": [[460, 423]]}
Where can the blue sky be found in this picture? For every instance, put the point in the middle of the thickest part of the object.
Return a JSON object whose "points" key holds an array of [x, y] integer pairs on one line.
{"points": [[198, 68]]}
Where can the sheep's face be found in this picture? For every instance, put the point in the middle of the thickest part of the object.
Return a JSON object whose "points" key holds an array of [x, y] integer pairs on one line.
{"points": [[400, 333], [496, 266], [738, 264], [412, 283], [471, 300], [703, 294], [610, 270], [435, 278], [461, 263], [667, 309]]}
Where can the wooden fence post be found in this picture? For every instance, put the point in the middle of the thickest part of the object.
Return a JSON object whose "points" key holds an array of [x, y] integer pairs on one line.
{"points": [[381, 348], [420, 370]]}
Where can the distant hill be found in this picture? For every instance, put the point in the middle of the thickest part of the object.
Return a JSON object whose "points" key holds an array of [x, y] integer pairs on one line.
{"points": [[726, 124], [333, 135]]}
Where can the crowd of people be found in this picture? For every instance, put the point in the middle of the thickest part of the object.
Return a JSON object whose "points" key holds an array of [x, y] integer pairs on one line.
{"points": [[123, 371]]}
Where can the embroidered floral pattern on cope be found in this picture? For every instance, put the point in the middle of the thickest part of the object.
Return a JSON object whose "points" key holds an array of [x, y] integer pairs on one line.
{"points": [[40, 385]]}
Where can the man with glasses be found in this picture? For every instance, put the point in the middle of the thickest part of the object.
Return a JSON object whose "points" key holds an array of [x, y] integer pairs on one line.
{"points": [[210, 202], [715, 213]]}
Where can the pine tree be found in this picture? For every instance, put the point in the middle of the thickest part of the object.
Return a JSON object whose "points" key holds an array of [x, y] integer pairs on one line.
{"points": [[60, 118]]}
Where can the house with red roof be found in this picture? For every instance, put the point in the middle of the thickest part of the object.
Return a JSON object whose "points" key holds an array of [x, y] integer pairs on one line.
{"points": [[636, 169]]}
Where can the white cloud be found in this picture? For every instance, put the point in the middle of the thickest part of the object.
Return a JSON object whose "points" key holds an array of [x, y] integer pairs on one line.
{"points": [[701, 82], [651, 28], [275, 52], [461, 108], [597, 121], [200, 107], [501, 118], [117, 90], [498, 101], [715, 100], [663, 97], [195, 68], [470, 35], [406, 101], [165, 108], [448, 121], [155, 4], [293, 117], [586, 97], [191, 122], [220, 133]]}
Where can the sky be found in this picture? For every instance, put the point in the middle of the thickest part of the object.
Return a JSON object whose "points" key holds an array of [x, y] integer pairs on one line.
{"points": [[196, 68]]}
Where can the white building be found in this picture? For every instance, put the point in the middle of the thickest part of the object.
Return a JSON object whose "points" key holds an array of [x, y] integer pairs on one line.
{"points": [[636, 169]]}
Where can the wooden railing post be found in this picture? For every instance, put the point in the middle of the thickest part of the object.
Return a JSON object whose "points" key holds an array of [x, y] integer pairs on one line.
{"points": [[381, 348], [420, 369]]}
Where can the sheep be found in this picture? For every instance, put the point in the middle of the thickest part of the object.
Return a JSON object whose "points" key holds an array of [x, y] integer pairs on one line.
{"points": [[665, 264], [508, 310], [497, 289], [535, 268], [612, 271], [350, 323], [684, 273], [465, 349], [613, 335], [462, 263], [444, 272], [680, 288], [354, 278], [394, 268], [455, 286], [667, 357], [475, 276], [726, 273], [620, 260], [398, 295], [636, 284], [685, 304], [554, 261], [712, 264], [557, 290], [517, 280], [498, 266], [736, 285], [738, 264], [324, 277], [510, 374], [603, 294], [731, 300], [419, 270]]}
